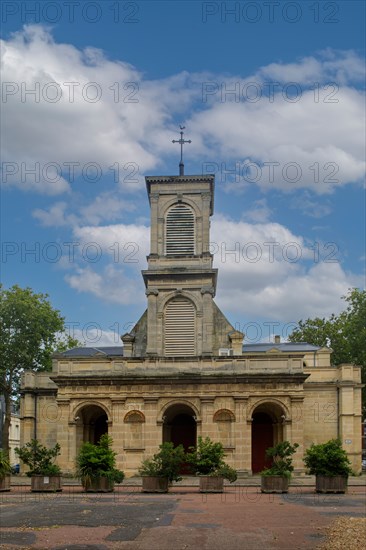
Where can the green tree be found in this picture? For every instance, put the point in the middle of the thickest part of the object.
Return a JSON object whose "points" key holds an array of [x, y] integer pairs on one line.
{"points": [[344, 333], [30, 331]]}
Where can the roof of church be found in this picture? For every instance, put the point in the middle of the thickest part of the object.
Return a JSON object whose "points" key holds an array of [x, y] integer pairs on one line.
{"points": [[285, 346], [117, 351], [91, 352]]}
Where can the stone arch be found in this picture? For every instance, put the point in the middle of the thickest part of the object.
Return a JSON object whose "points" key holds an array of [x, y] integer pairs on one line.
{"points": [[185, 293], [224, 415], [92, 421], [267, 418], [276, 408], [173, 402], [134, 416], [169, 204], [180, 427], [75, 411]]}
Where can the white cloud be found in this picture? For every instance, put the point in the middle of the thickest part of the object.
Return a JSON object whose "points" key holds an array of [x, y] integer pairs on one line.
{"points": [[311, 207], [105, 207], [133, 128], [126, 244], [274, 286], [265, 270], [259, 213], [111, 285], [55, 216], [92, 335], [311, 145], [70, 120], [331, 66]]}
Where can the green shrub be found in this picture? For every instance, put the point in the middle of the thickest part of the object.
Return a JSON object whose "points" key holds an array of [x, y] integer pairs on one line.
{"points": [[328, 459], [39, 459], [5, 467], [94, 461], [207, 459], [165, 463], [282, 459]]}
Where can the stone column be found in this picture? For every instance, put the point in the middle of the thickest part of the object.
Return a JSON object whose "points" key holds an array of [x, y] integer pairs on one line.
{"points": [[154, 198], [295, 430], [206, 201], [349, 418], [242, 437], [206, 428], [152, 298], [207, 321], [117, 428], [66, 437], [153, 427]]}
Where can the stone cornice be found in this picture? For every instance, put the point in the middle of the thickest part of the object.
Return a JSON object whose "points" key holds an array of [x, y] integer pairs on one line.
{"points": [[186, 379]]}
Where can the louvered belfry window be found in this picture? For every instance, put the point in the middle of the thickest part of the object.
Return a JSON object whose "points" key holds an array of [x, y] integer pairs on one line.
{"points": [[179, 231], [180, 327]]}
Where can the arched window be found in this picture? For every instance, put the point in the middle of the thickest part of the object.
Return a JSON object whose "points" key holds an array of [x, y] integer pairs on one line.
{"points": [[224, 420], [180, 327], [179, 231], [134, 416], [134, 430], [224, 415]]}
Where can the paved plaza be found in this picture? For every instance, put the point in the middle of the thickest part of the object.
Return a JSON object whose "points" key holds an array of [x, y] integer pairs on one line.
{"points": [[240, 519]]}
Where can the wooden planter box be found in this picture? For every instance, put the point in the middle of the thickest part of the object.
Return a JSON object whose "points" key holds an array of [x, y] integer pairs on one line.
{"points": [[5, 483], [98, 485], [152, 484], [211, 484], [274, 484], [44, 484], [331, 484]]}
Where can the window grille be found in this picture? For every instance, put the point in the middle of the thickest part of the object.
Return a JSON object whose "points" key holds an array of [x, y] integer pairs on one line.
{"points": [[179, 234], [180, 328]]}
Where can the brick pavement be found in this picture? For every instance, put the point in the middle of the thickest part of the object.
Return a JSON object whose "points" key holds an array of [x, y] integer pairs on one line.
{"points": [[241, 518]]}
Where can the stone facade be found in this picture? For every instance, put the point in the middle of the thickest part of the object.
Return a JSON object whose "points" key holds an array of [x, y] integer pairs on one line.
{"points": [[183, 370]]}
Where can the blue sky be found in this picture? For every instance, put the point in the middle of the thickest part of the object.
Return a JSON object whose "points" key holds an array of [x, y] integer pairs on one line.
{"points": [[272, 97]]}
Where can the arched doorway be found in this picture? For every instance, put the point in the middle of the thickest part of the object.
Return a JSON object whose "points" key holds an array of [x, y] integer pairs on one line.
{"points": [[267, 430], [180, 428], [92, 423]]}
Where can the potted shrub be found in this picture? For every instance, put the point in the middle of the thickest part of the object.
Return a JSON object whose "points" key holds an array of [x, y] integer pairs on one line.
{"points": [[162, 469], [207, 460], [45, 475], [276, 478], [5, 471], [329, 463], [96, 466]]}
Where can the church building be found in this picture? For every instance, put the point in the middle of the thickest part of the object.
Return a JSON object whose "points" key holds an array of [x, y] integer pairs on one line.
{"points": [[184, 371]]}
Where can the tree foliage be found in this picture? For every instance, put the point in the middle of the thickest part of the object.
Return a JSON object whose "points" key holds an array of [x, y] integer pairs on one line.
{"points": [[30, 331], [344, 333], [327, 459], [282, 459], [165, 463], [94, 461], [39, 458], [207, 458]]}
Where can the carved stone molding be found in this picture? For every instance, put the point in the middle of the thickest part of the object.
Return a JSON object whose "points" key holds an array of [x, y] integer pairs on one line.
{"points": [[152, 292]]}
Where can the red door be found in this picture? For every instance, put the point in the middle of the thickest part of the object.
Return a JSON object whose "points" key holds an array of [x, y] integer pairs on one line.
{"points": [[262, 438], [183, 431]]}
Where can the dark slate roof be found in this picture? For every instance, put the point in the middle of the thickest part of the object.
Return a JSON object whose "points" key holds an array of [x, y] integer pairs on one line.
{"points": [[92, 352], [286, 347]]}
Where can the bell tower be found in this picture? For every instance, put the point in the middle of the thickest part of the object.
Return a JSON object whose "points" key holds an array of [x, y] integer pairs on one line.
{"points": [[180, 280], [181, 319]]}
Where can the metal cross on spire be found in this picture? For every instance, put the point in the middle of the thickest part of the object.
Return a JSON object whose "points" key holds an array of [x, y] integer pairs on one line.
{"points": [[182, 141]]}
